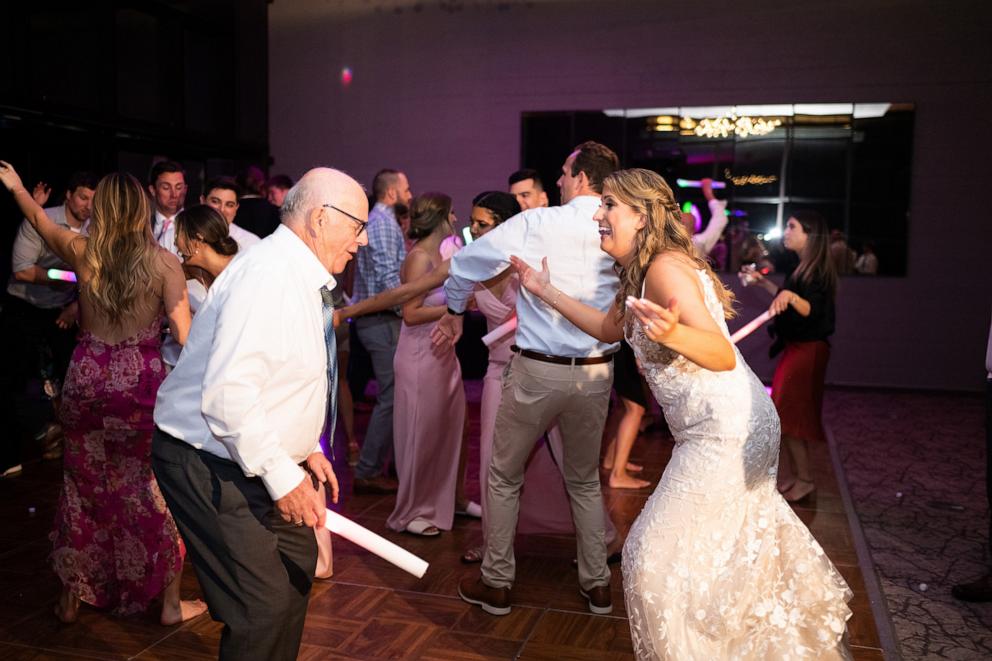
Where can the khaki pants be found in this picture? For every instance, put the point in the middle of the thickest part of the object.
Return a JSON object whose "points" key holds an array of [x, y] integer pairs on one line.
{"points": [[534, 394]]}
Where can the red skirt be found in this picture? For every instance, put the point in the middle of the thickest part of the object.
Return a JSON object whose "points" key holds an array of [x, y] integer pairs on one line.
{"points": [[797, 389]]}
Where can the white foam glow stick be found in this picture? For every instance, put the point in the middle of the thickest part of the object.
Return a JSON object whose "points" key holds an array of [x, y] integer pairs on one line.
{"points": [[372, 542], [695, 183], [750, 326], [499, 332]]}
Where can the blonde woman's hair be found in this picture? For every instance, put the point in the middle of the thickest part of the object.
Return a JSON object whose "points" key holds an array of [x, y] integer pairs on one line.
{"points": [[648, 195], [120, 251]]}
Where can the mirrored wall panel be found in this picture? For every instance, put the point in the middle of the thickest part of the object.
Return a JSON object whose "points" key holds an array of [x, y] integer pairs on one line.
{"points": [[849, 161]]}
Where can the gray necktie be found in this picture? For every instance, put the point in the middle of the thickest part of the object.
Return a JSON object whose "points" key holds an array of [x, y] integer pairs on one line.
{"points": [[330, 342]]}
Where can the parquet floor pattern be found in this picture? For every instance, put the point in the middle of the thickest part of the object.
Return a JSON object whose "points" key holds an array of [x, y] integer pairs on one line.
{"points": [[369, 609]]}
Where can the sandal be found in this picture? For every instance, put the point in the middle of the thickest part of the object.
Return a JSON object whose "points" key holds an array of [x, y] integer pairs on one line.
{"points": [[473, 555], [472, 509], [422, 527]]}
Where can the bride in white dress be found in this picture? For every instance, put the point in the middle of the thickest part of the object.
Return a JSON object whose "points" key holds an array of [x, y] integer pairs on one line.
{"points": [[717, 565]]}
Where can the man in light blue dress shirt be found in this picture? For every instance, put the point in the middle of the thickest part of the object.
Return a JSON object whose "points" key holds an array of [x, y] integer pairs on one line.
{"points": [[558, 372]]}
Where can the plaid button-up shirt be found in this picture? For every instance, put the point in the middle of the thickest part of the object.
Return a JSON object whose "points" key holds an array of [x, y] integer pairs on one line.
{"points": [[379, 262]]}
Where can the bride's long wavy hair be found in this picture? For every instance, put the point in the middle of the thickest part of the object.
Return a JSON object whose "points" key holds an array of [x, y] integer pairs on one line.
{"points": [[120, 251], [648, 195]]}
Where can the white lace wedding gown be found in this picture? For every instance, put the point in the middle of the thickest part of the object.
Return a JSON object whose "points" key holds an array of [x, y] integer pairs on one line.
{"points": [[717, 566]]}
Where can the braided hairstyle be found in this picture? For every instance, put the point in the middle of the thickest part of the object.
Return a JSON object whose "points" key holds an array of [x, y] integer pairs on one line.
{"points": [[648, 194]]}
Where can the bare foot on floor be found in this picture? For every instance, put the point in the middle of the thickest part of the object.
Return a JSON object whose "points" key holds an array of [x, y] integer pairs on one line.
{"points": [[631, 468], [625, 481], [800, 491], [187, 611], [67, 607]]}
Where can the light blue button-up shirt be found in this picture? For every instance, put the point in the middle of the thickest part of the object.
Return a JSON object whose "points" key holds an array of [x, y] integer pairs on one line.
{"points": [[569, 237]]}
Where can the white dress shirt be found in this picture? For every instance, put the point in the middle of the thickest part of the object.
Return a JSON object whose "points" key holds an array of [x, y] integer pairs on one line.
{"points": [[164, 229], [251, 383], [242, 237], [197, 293], [569, 238]]}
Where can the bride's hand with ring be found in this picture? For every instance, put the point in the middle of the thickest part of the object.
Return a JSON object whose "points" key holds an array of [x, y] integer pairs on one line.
{"points": [[659, 322]]}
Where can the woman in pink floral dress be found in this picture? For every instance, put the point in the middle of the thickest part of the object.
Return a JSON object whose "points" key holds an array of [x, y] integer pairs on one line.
{"points": [[115, 543]]}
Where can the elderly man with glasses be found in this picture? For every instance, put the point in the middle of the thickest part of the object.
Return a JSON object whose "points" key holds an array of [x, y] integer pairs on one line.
{"points": [[236, 451]]}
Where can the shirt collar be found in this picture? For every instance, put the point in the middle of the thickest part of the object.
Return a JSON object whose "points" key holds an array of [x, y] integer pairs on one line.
{"points": [[585, 202], [387, 209], [159, 216], [302, 260]]}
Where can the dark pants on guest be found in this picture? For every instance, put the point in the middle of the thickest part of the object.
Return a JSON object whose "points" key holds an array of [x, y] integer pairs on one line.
{"points": [[255, 569], [33, 347], [379, 333]]}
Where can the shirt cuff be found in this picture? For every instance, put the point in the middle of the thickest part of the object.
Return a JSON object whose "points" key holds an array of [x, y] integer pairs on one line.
{"points": [[283, 477]]}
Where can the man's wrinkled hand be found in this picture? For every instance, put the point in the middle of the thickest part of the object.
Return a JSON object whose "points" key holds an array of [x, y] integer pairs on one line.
{"points": [[321, 468], [302, 506]]}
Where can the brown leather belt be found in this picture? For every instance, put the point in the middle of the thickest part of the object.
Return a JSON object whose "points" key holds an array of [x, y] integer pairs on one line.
{"points": [[561, 360]]}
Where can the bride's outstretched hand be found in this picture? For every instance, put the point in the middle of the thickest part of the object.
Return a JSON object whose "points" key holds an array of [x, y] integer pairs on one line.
{"points": [[534, 281], [658, 322]]}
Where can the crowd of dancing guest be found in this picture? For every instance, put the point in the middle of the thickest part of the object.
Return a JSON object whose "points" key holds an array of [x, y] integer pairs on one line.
{"points": [[544, 402]]}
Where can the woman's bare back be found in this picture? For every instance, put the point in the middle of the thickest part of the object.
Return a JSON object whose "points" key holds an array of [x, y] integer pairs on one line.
{"points": [[146, 310]]}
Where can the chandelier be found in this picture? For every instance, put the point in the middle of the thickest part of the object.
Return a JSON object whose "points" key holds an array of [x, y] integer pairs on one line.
{"points": [[732, 124]]}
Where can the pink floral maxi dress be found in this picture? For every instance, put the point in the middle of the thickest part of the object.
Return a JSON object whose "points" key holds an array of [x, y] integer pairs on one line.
{"points": [[115, 543]]}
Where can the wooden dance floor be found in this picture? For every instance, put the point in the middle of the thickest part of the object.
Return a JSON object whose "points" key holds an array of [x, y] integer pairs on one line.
{"points": [[371, 610]]}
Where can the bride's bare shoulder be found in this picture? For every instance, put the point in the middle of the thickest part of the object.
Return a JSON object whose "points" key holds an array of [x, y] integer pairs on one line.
{"points": [[672, 262]]}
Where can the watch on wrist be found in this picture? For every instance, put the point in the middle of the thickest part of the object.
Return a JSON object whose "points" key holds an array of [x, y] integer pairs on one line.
{"points": [[457, 314]]}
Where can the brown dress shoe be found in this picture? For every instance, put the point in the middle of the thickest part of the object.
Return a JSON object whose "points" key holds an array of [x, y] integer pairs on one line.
{"points": [[374, 485], [600, 599], [495, 601]]}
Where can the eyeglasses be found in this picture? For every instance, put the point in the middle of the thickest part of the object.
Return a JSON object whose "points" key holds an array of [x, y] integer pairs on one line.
{"points": [[361, 223]]}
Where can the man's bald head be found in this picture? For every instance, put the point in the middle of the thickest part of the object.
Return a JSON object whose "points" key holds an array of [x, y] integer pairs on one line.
{"points": [[327, 209]]}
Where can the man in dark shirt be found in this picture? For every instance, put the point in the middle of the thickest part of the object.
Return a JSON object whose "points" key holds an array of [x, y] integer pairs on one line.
{"points": [[255, 213]]}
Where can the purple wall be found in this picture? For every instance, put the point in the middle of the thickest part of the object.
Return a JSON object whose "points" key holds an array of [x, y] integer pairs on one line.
{"points": [[439, 94]]}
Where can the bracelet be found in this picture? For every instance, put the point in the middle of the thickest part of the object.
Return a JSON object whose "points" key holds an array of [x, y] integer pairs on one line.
{"points": [[554, 303], [457, 314]]}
